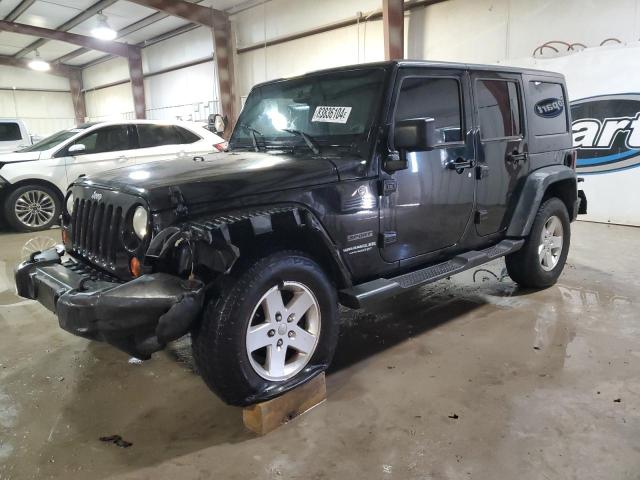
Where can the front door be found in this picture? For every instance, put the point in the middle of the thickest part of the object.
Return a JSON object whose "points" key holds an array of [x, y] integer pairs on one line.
{"points": [[432, 204], [502, 155], [105, 148]]}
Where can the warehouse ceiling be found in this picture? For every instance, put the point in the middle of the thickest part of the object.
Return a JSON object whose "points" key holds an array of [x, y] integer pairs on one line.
{"points": [[134, 23]]}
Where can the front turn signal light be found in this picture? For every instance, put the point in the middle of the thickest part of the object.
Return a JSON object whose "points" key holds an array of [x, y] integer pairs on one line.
{"points": [[135, 267]]}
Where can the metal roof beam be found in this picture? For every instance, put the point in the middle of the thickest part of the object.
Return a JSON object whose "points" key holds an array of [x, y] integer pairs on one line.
{"points": [[59, 70], [152, 41], [114, 48], [186, 10], [68, 25], [19, 10], [134, 27]]}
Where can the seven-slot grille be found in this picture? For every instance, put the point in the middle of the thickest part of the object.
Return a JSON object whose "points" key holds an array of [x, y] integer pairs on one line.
{"points": [[95, 230]]}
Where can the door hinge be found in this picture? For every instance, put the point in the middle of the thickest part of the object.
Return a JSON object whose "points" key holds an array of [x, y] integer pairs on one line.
{"points": [[482, 171], [387, 238], [480, 216], [387, 186]]}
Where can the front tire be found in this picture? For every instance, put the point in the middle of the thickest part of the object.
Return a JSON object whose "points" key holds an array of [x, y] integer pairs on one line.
{"points": [[539, 263], [32, 208], [273, 324]]}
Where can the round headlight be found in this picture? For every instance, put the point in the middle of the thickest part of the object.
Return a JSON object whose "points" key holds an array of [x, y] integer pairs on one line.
{"points": [[70, 204], [140, 222]]}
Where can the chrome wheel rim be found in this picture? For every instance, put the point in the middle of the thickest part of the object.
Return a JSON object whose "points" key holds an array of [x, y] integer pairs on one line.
{"points": [[551, 241], [35, 208], [37, 244], [283, 331]]}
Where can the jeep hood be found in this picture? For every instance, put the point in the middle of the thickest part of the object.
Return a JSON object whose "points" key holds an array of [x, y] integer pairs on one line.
{"points": [[13, 157], [215, 177]]}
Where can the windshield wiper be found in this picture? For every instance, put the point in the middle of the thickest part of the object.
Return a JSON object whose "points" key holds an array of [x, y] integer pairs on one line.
{"points": [[253, 133], [306, 137]]}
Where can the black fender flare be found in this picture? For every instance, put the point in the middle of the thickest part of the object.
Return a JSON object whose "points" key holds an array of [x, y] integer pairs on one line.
{"points": [[532, 193], [211, 241]]}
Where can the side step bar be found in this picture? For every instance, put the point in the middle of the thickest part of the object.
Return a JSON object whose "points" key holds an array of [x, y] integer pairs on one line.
{"points": [[359, 296]]}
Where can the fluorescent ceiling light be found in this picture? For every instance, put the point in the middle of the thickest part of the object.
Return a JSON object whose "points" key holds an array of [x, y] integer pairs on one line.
{"points": [[39, 64], [102, 30]]}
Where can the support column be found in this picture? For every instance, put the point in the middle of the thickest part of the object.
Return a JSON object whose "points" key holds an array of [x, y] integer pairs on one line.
{"points": [[77, 96], [393, 21], [223, 53], [137, 81]]}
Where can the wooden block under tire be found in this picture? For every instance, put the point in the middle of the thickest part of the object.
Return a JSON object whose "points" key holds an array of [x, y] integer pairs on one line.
{"points": [[264, 417]]}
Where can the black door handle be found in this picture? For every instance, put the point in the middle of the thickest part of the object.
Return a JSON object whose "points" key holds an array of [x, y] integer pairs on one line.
{"points": [[516, 157], [459, 164]]}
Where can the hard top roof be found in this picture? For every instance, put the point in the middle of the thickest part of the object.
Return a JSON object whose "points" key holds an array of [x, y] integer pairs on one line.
{"points": [[425, 64]]}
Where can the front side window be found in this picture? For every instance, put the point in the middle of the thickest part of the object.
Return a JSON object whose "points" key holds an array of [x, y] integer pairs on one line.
{"points": [[437, 98], [106, 139], [157, 135], [9, 132], [331, 108], [498, 109]]}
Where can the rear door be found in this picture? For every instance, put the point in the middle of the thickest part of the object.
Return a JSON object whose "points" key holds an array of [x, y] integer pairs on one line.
{"points": [[502, 148], [158, 142], [432, 203], [192, 143], [106, 148]]}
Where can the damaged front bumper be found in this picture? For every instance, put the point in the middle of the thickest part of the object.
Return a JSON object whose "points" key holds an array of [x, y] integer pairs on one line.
{"points": [[139, 317]]}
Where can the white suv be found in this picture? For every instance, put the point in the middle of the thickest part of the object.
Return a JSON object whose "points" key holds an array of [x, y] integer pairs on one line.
{"points": [[34, 179]]}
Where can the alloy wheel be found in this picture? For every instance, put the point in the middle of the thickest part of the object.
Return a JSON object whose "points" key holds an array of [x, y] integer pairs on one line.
{"points": [[35, 208], [283, 331], [551, 241]]}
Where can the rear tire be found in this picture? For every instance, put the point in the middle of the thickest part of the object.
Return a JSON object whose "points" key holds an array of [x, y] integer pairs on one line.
{"points": [[539, 263], [32, 208], [251, 344]]}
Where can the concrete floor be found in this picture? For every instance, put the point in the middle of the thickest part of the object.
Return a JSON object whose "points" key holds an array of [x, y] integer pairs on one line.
{"points": [[533, 377]]}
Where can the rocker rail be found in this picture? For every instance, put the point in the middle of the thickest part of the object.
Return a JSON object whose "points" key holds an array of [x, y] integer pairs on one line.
{"points": [[359, 296]]}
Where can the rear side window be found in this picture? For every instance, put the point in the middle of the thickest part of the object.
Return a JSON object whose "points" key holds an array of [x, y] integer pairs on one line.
{"points": [[9, 132], [438, 98], [158, 135], [549, 109], [498, 109], [187, 136]]}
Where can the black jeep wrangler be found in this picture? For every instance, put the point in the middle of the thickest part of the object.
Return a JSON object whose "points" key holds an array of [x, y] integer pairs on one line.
{"points": [[341, 186]]}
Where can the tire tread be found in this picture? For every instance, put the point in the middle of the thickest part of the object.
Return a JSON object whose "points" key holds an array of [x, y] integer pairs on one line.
{"points": [[212, 344], [523, 266]]}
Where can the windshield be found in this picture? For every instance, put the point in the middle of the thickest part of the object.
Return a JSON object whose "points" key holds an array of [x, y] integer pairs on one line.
{"points": [[52, 140], [331, 109]]}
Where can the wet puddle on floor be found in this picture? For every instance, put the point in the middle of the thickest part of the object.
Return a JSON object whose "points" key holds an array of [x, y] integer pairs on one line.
{"points": [[513, 366]]}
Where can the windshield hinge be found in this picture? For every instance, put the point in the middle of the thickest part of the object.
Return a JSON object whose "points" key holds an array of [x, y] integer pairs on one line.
{"points": [[177, 202]]}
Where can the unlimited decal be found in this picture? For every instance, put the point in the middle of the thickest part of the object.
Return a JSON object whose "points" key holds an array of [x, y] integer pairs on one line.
{"points": [[606, 131]]}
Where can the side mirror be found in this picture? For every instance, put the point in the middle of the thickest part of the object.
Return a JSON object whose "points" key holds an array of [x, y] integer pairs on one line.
{"points": [[217, 123], [415, 135], [76, 148]]}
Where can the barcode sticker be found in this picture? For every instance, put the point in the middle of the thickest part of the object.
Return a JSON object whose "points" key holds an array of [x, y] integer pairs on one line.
{"points": [[331, 114]]}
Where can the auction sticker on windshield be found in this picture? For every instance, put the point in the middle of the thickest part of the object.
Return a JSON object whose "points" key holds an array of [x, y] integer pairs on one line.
{"points": [[331, 114]]}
